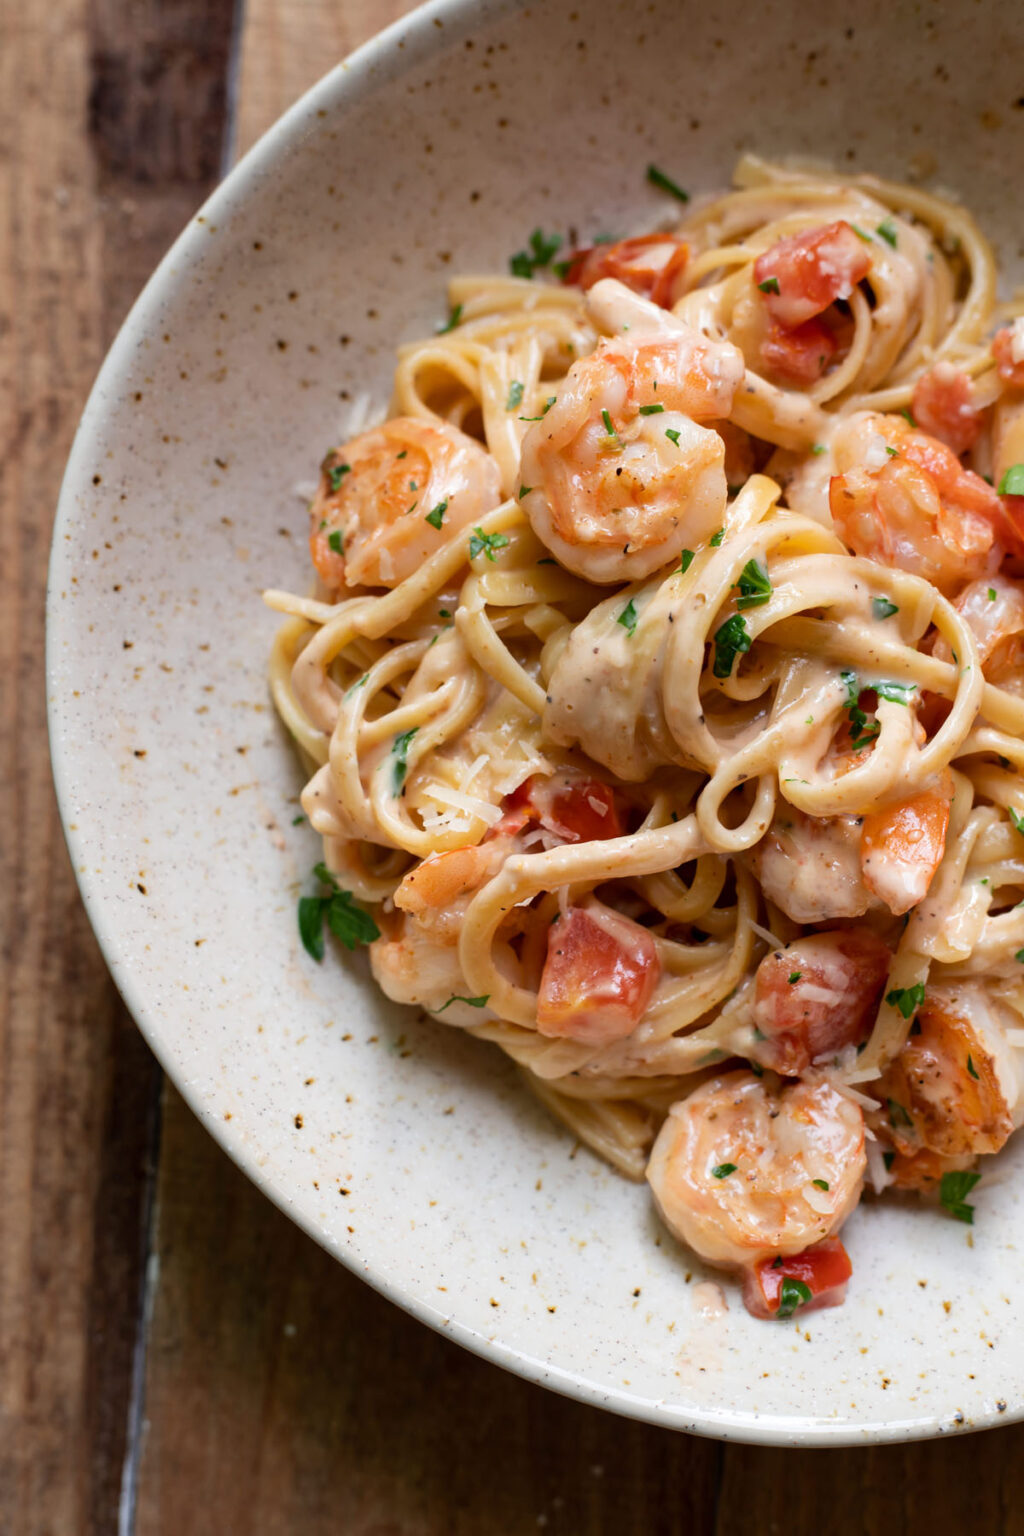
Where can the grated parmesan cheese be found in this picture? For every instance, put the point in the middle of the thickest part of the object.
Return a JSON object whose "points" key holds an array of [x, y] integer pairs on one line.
{"points": [[463, 802]]}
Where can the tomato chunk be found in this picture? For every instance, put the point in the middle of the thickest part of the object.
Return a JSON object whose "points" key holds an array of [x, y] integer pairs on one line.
{"points": [[599, 976], [580, 810], [799, 354], [901, 847], [944, 406], [649, 264], [818, 995], [808, 272], [1005, 347], [817, 1278]]}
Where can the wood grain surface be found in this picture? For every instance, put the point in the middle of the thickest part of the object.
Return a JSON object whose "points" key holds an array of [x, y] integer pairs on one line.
{"points": [[176, 1358]]}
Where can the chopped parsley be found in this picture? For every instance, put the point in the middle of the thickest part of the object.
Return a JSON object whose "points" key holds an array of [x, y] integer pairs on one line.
{"points": [[486, 544], [673, 435], [862, 731], [685, 560], [454, 317], [297, 819], [897, 1114], [794, 977], [882, 608], [893, 453], [1016, 818], [861, 233], [731, 639], [348, 922], [970, 1068], [770, 285], [954, 1188], [336, 474], [991, 594], [1012, 483], [548, 403], [436, 518], [887, 230], [608, 425], [651, 410], [524, 490], [336, 542], [908, 415], [895, 693], [1020, 956], [666, 184], [474, 1002], [541, 253], [794, 1294], [819, 448], [627, 618], [515, 395], [907, 999], [755, 587], [820, 1183], [400, 756], [723, 1170], [716, 538]]}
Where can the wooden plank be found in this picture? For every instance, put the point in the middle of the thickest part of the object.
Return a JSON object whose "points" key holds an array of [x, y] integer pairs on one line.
{"points": [[82, 218]]}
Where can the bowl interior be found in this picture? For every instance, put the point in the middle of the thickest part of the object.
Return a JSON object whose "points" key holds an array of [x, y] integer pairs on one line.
{"points": [[411, 1152]]}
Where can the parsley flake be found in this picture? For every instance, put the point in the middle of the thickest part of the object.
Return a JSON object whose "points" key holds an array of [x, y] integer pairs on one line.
{"points": [[486, 544], [731, 639], [628, 617], [336, 542], [524, 490], [882, 608], [651, 410], [608, 424], [954, 1187], [348, 922], [820, 1183], [336, 475], [723, 1170], [907, 999], [400, 756], [887, 230], [454, 317], [1016, 818], [794, 977], [665, 184], [755, 587], [794, 1294], [819, 448], [515, 395], [685, 560], [1012, 483], [673, 435], [770, 285], [474, 1002], [436, 518], [541, 253], [970, 1068], [716, 538], [861, 233]]}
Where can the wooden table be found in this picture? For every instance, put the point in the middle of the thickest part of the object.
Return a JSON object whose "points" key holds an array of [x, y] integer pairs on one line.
{"points": [[176, 1359]]}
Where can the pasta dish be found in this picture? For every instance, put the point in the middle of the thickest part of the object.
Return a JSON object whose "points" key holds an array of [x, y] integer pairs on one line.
{"points": [[662, 703]]}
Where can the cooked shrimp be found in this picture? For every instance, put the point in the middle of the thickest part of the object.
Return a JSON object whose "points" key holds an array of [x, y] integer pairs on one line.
{"points": [[903, 498], [599, 976], [901, 846], [810, 866], [618, 477], [1008, 351], [994, 610], [943, 405], [734, 1167], [817, 996], [369, 519], [418, 965], [956, 1086]]}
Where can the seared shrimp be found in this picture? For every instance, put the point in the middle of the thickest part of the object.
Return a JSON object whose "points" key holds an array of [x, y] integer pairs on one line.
{"points": [[902, 845], [369, 519], [734, 1168], [904, 499], [810, 866], [956, 1086], [817, 996], [994, 610], [618, 477], [418, 965]]}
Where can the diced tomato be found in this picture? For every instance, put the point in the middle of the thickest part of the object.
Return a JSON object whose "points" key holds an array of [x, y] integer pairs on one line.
{"points": [[944, 406], [649, 264], [901, 846], [823, 1270], [817, 995], [1010, 370], [599, 976], [811, 270], [577, 809], [798, 354]]}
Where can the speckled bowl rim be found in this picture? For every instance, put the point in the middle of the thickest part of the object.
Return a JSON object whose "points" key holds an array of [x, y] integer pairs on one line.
{"points": [[346, 81]]}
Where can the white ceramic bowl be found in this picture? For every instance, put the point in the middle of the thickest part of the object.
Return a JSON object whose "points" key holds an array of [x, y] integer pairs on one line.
{"points": [[410, 1152]]}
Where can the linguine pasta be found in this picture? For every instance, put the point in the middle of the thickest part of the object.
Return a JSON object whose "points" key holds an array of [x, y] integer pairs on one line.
{"points": [[661, 700]]}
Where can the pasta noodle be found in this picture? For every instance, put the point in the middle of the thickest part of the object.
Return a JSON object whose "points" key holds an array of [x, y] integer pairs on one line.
{"points": [[661, 695]]}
